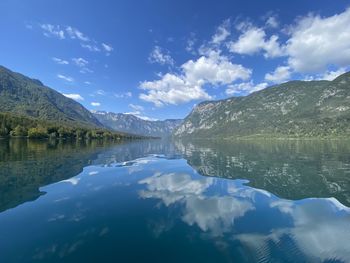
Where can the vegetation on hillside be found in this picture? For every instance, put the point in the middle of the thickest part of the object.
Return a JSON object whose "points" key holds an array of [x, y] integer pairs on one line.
{"points": [[294, 109], [15, 125], [21, 95]]}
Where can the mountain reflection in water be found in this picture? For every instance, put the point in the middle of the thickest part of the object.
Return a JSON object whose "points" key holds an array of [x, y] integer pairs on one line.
{"points": [[245, 201]]}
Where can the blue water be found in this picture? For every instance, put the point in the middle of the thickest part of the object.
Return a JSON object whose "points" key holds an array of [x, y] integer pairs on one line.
{"points": [[155, 207]]}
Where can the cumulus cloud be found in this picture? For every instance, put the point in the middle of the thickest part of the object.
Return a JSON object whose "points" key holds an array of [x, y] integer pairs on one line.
{"points": [[327, 75], [95, 104], [52, 31], [60, 61], [281, 74], [254, 40], [213, 69], [73, 96], [245, 88], [160, 56], [332, 74], [316, 42], [66, 78], [171, 89]]}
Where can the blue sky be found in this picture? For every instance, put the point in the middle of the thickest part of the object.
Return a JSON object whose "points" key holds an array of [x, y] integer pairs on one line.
{"points": [[157, 59]]}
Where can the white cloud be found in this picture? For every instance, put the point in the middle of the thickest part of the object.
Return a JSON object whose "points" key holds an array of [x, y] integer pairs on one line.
{"points": [[327, 75], [136, 107], [107, 47], [85, 70], [214, 69], [254, 40], [272, 22], [171, 89], [60, 61], [158, 55], [90, 47], [52, 31], [245, 88], [133, 113], [123, 95], [281, 74], [317, 42], [95, 104], [331, 75], [76, 34], [100, 92], [73, 96], [66, 78], [146, 118], [139, 114], [80, 62], [87, 82], [191, 41], [175, 89], [222, 32]]}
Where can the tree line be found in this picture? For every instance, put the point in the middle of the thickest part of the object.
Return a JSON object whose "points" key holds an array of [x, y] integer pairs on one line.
{"points": [[21, 126]]}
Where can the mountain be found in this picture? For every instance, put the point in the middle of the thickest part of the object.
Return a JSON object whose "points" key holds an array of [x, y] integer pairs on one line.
{"points": [[22, 95], [132, 124], [292, 109]]}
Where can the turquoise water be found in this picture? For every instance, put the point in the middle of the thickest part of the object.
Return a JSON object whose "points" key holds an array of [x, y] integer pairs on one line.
{"points": [[155, 201]]}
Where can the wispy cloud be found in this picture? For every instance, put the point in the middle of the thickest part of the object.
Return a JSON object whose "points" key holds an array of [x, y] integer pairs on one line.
{"points": [[52, 31], [91, 47], [160, 56], [66, 78], [74, 33], [80, 62], [107, 47], [123, 95], [136, 107], [70, 32], [95, 104], [60, 61]]}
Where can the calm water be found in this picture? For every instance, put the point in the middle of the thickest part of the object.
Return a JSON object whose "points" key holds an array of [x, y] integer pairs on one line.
{"points": [[155, 201]]}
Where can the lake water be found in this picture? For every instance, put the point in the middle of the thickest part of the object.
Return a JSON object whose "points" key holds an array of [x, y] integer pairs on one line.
{"points": [[161, 201]]}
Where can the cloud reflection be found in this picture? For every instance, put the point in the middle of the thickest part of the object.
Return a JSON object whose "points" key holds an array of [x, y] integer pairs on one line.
{"points": [[215, 214]]}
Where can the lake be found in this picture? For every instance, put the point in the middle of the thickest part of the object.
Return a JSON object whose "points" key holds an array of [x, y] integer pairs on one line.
{"points": [[180, 201]]}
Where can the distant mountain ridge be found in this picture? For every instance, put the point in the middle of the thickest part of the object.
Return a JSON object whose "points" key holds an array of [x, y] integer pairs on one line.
{"points": [[22, 95], [292, 109], [132, 124]]}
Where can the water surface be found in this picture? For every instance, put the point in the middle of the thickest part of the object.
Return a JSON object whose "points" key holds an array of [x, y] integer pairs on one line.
{"points": [[160, 201]]}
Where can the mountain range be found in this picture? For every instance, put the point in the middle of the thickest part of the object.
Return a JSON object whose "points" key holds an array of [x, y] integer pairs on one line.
{"points": [[292, 109], [131, 124]]}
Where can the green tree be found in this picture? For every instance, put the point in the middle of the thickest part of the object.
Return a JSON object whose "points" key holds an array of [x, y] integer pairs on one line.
{"points": [[37, 133], [20, 131]]}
